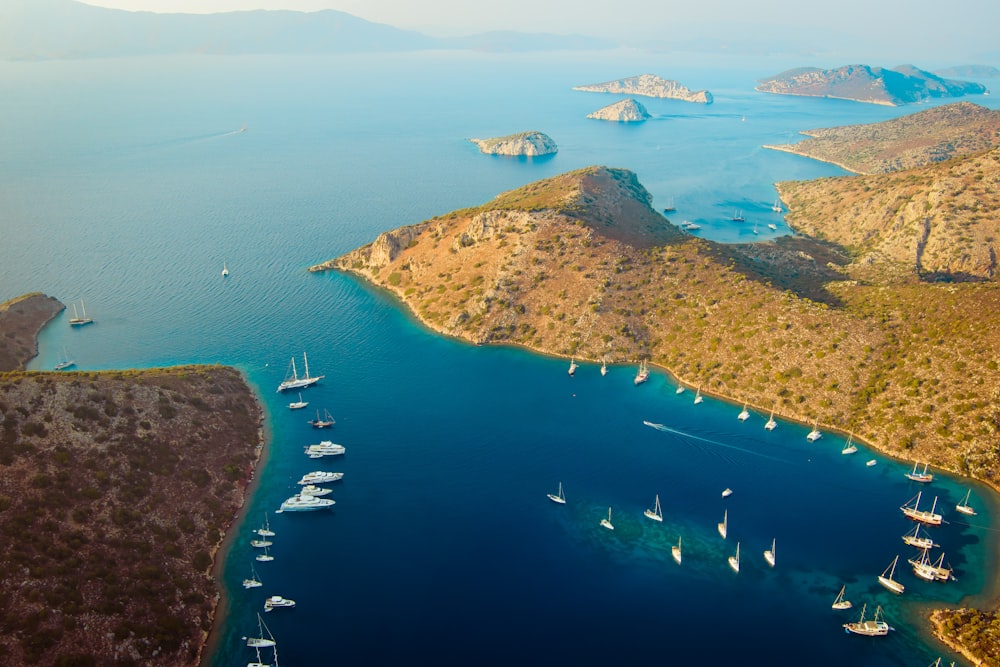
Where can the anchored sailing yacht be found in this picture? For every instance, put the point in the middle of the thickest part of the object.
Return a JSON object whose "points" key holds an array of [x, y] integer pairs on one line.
{"points": [[572, 367], [744, 414], [914, 539], [558, 497], [77, 321], [850, 447], [769, 554], [922, 476], [293, 381], [964, 507], [254, 580], [604, 367], [299, 404], [260, 641], [734, 561], [643, 373], [724, 526], [697, 396], [814, 434], [840, 602], [607, 522], [873, 628], [656, 514], [886, 578], [923, 516], [326, 422], [771, 424], [676, 551]]}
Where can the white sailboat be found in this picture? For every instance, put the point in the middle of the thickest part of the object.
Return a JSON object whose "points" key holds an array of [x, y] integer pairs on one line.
{"points": [[850, 447], [913, 511], [604, 367], [65, 361], [254, 580], [915, 539], [655, 513], [744, 414], [265, 557], [225, 271], [964, 507], [676, 551], [607, 522], [814, 434], [326, 422], [697, 396], [680, 389], [558, 497], [292, 379], [886, 578], [873, 628], [738, 216], [922, 476], [769, 554], [734, 561], [265, 530], [840, 602], [572, 367], [78, 321], [299, 404], [771, 424], [777, 207], [642, 374], [261, 641], [724, 526], [261, 543]]}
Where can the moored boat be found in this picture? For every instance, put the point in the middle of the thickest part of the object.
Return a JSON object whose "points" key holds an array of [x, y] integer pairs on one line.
{"points": [[911, 510], [642, 374], [886, 578], [606, 523], [292, 379], [320, 477], [964, 507], [558, 497], [313, 490], [277, 602], [301, 503], [922, 476], [324, 448], [655, 513], [876, 627], [326, 422], [839, 602]]}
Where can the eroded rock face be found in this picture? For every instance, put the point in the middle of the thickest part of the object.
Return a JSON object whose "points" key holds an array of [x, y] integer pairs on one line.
{"points": [[625, 111], [528, 144], [649, 85]]}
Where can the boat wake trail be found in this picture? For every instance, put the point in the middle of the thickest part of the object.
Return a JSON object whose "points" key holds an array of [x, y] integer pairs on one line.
{"points": [[667, 429]]}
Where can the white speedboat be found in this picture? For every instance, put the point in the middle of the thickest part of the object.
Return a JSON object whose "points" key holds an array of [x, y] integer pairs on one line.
{"points": [[320, 477], [727, 492], [324, 448], [300, 503], [277, 602]]}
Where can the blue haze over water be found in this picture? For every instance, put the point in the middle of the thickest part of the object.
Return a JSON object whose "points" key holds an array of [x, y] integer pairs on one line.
{"points": [[126, 183]]}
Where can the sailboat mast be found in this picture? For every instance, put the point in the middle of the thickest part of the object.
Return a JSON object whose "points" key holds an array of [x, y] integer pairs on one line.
{"points": [[306, 360]]}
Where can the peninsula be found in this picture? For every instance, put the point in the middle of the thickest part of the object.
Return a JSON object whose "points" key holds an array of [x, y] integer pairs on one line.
{"points": [[20, 321], [649, 85], [914, 140], [116, 489], [527, 144], [863, 83], [625, 111]]}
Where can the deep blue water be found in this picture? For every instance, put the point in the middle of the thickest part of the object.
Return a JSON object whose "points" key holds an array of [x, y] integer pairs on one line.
{"points": [[127, 184]]}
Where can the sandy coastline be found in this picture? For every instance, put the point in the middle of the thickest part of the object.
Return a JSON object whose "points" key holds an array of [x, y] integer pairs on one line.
{"points": [[790, 148]]}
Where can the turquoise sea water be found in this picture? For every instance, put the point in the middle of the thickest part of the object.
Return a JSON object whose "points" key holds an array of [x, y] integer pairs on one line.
{"points": [[127, 184]]}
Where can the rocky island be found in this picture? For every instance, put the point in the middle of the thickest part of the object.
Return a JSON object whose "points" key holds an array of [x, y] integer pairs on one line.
{"points": [[863, 83], [649, 85], [625, 111], [934, 135], [527, 144], [116, 488]]}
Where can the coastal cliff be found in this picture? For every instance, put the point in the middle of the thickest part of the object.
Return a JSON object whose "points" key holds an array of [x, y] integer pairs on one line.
{"points": [[914, 140], [527, 144], [649, 85], [21, 319], [626, 111], [116, 488], [905, 84], [580, 265]]}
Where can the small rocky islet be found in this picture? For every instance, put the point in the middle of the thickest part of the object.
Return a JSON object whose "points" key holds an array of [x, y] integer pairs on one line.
{"points": [[625, 111], [522, 144]]}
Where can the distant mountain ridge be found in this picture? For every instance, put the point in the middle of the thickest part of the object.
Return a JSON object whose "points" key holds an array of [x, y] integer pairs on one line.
{"points": [[863, 83], [52, 29]]}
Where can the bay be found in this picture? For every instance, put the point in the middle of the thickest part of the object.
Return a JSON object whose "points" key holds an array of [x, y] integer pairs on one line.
{"points": [[128, 184]]}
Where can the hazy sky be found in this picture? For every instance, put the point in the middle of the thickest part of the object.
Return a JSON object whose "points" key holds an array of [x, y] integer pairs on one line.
{"points": [[966, 25]]}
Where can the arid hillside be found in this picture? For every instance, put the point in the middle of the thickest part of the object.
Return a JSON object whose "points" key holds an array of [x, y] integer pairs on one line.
{"points": [[581, 265], [914, 140]]}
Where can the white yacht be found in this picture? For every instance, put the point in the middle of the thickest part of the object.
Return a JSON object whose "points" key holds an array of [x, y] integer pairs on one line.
{"points": [[301, 503], [260, 641], [911, 510], [324, 448], [920, 476], [260, 544], [253, 581], [78, 321], [697, 396], [265, 557], [850, 447], [886, 578], [771, 424], [814, 434], [606, 523], [915, 539], [964, 507], [840, 602], [558, 497], [642, 374], [299, 404], [744, 414], [734, 561], [315, 491], [604, 367], [655, 513], [726, 492], [265, 530], [292, 379], [320, 477], [276, 602], [873, 628], [572, 367]]}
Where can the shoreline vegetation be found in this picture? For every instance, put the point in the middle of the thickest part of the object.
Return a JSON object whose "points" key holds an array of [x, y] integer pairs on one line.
{"points": [[851, 335], [118, 489]]}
